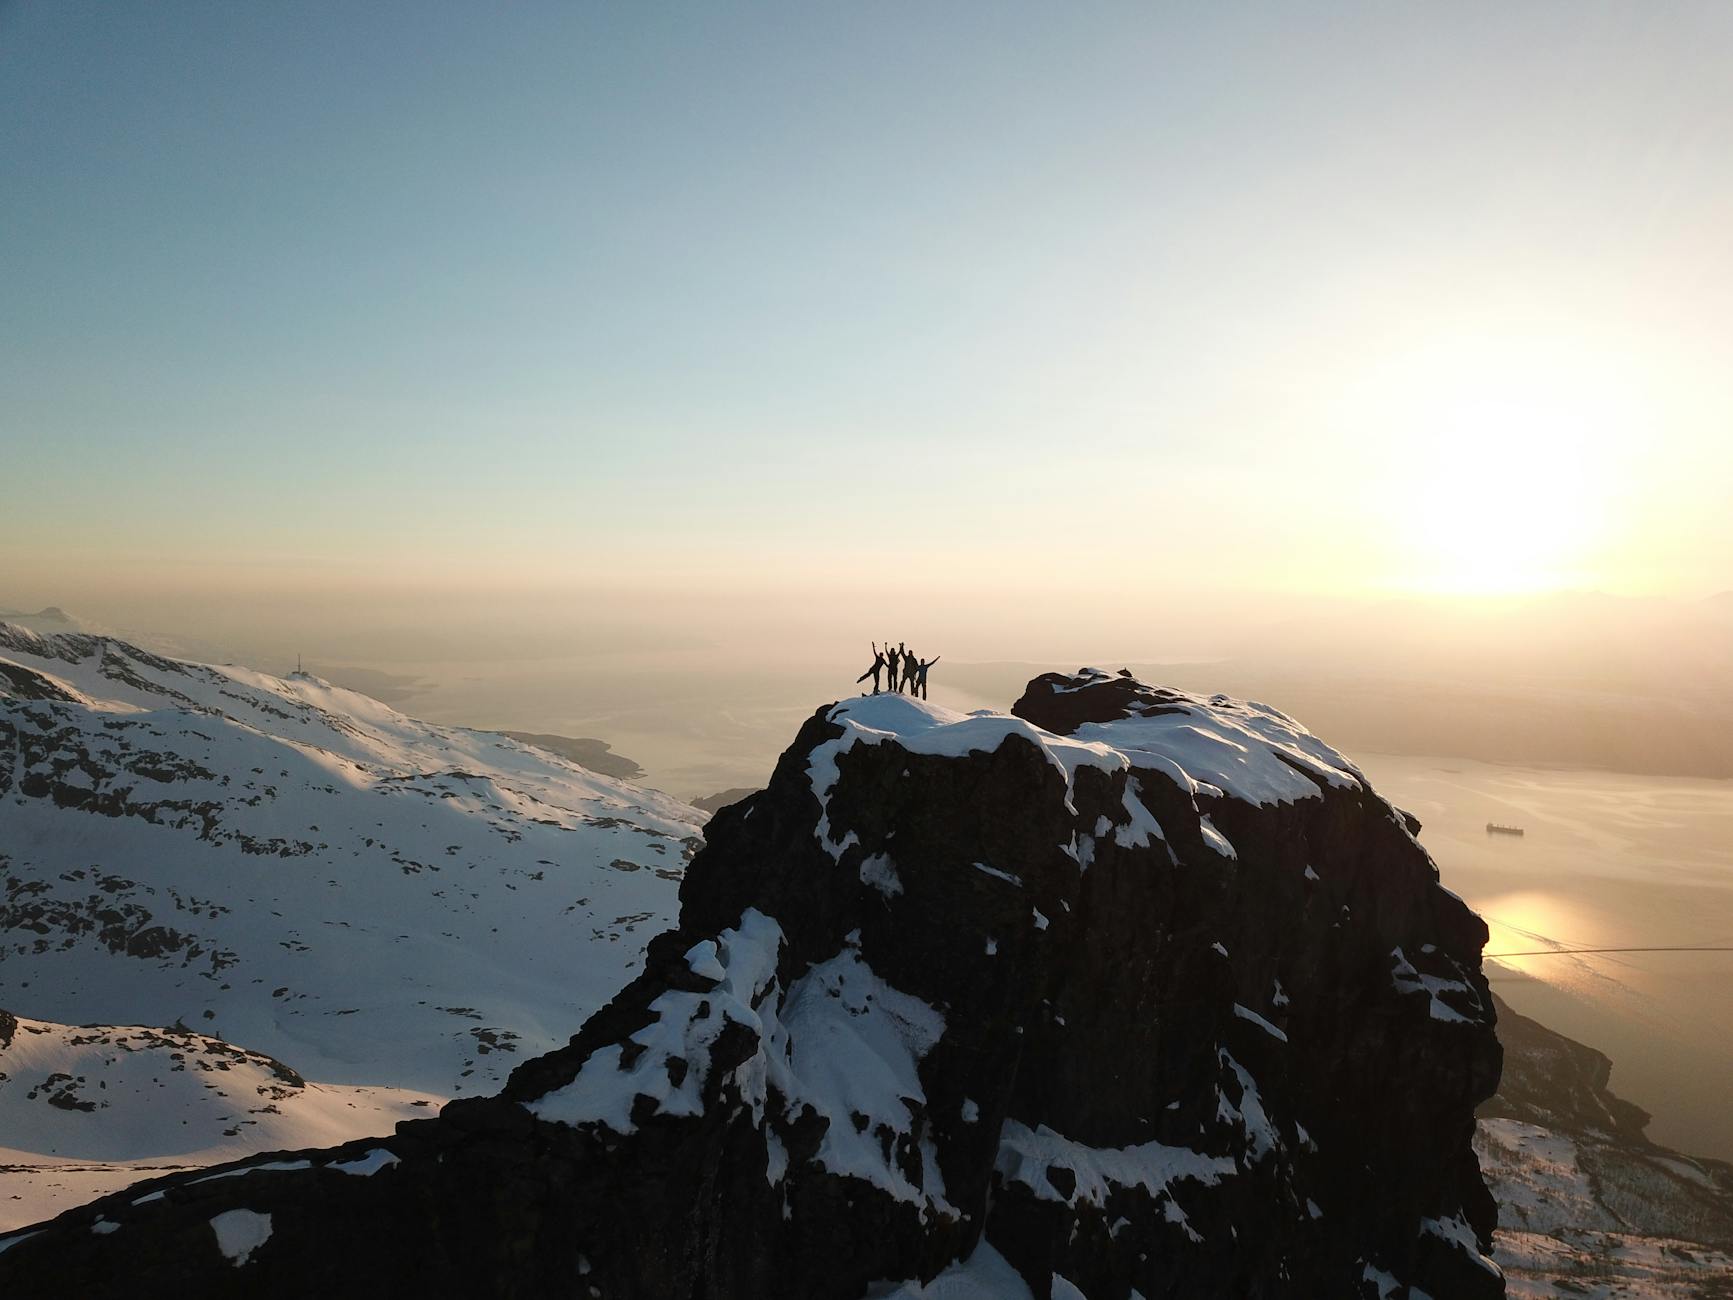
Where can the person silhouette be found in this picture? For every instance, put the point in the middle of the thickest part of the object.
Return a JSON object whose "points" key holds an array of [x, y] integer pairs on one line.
{"points": [[875, 670], [909, 669], [921, 674], [893, 657]]}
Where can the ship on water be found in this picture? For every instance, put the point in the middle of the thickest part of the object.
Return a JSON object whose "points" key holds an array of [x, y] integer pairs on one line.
{"points": [[1494, 828]]}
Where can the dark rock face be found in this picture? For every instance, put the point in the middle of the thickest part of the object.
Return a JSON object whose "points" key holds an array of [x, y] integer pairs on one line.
{"points": [[1134, 991]]}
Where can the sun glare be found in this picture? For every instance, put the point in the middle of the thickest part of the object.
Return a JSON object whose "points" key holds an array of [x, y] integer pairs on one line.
{"points": [[1510, 470], [1507, 499]]}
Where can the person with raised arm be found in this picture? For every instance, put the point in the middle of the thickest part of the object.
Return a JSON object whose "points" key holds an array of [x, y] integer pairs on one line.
{"points": [[921, 666], [893, 657], [875, 670]]}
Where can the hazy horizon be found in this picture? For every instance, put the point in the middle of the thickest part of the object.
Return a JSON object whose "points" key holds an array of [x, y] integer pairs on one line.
{"points": [[705, 694]]}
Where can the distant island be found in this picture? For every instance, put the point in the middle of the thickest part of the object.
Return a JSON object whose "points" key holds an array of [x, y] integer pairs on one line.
{"points": [[712, 803], [585, 751]]}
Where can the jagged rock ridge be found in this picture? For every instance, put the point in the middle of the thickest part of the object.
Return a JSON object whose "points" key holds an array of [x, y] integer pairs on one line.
{"points": [[1134, 993]]}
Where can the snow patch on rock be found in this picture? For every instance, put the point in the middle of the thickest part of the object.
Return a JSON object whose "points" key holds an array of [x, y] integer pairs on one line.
{"points": [[611, 1080], [984, 1275], [239, 1233], [1025, 1155]]}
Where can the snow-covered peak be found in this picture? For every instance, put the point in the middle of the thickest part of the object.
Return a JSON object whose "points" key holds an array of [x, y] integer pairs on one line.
{"points": [[1207, 745], [1241, 748], [921, 727], [330, 724]]}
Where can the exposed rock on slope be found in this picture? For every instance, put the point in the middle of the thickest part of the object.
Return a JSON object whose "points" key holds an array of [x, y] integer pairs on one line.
{"points": [[1172, 1005]]}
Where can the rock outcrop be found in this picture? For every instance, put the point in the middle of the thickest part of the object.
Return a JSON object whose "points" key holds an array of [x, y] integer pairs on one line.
{"points": [[1132, 993]]}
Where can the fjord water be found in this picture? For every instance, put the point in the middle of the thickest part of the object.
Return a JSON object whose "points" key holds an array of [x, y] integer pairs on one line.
{"points": [[1607, 860]]}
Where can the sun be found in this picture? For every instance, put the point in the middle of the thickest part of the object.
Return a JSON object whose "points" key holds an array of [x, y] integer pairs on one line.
{"points": [[1508, 497], [1509, 463]]}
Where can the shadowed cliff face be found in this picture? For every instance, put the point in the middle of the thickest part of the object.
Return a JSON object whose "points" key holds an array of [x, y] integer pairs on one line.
{"points": [[1131, 992]]}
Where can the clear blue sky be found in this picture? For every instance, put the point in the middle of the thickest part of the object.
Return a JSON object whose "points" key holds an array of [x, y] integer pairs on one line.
{"points": [[382, 294]]}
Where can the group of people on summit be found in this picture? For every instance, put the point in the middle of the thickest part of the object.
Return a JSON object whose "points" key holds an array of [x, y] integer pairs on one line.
{"points": [[901, 659]]}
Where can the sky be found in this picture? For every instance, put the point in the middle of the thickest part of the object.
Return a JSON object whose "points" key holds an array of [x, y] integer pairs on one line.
{"points": [[807, 309]]}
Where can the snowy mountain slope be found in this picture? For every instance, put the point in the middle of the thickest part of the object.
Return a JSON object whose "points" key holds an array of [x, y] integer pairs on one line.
{"points": [[306, 871], [1559, 1235], [1587, 1205], [87, 1110]]}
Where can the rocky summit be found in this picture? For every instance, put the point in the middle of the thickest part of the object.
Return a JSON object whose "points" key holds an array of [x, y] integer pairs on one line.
{"points": [[1128, 993]]}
